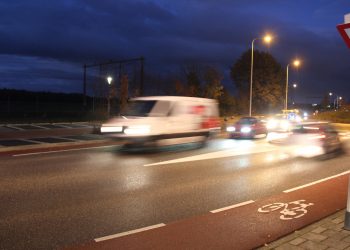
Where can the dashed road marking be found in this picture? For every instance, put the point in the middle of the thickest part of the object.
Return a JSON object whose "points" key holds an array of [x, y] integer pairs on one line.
{"points": [[129, 232], [315, 182], [233, 206]]}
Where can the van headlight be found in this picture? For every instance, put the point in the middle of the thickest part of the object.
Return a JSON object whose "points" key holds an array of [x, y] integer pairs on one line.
{"points": [[231, 129], [137, 130], [111, 129], [246, 130]]}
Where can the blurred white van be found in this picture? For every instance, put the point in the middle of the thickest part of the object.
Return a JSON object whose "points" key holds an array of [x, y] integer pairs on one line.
{"points": [[165, 120]]}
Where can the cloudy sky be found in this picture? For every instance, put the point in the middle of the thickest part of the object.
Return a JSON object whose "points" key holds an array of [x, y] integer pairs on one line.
{"points": [[44, 43]]}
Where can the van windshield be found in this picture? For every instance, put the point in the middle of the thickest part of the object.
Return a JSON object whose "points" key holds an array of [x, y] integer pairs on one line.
{"points": [[139, 108]]}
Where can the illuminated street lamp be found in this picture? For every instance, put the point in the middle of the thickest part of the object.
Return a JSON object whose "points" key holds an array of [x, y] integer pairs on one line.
{"points": [[296, 63], [267, 39], [109, 80], [339, 99], [336, 102]]}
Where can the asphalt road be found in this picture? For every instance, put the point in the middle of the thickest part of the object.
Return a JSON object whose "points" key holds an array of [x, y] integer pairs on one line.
{"points": [[61, 199]]}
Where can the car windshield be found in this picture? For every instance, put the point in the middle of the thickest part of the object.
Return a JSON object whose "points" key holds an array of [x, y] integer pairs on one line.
{"points": [[139, 108], [247, 121]]}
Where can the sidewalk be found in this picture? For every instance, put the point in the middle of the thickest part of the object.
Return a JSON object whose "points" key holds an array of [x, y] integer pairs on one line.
{"points": [[327, 233]]}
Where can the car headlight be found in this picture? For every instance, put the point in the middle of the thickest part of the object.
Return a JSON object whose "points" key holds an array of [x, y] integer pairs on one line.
{"points": [[109, 129], [285, 125], [271, 124], [230, 129], [246, 130], [137, 130]]}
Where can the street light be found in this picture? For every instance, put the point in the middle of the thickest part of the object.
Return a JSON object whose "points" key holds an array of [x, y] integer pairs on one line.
{"points": [[109, 80], [267, 39], [296, 63], [339, 99], [336, 100]]}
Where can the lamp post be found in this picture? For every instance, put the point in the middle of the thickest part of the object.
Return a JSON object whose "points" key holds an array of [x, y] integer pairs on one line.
{"points": [[109, 81], [336, 100], [266, 39], [339, 99], [296, 63]]}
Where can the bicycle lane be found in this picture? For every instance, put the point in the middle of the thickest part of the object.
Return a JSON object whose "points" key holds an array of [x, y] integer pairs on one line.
{"points": [[242, 227]]}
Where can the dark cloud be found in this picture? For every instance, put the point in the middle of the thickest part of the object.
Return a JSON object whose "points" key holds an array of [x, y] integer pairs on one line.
{"points": [[68, 33]]}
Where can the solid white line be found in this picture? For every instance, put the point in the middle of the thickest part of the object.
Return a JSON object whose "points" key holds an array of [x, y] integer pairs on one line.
{"points": [[233, 206], [129, 232], [58, 151], [315, 182], [218, 154]]}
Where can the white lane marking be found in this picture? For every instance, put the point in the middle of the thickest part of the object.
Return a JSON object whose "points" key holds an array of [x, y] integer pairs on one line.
{"points": [[129, 232], [58, 151], [233, 206], [37, 142], [14, 127], [316, 182], [38, 126], [218, 154], [61, 125]]}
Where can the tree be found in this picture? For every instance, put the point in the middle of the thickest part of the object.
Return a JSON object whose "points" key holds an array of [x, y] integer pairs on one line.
{"points": [[124, 92], [268, 80], [179, 88], [227, 103], [325, 103], [212, 80], [192, 73]]}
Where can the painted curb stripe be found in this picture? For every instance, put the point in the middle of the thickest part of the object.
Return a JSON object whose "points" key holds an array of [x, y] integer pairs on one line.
{"points": [[233, 206], [129, 232], [315, 182]]}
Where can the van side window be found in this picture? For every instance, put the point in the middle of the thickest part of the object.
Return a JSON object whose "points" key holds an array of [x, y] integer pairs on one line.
{"points": [[161, 108]]}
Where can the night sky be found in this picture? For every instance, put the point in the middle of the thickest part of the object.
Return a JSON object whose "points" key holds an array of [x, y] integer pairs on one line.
{"points": [[44, 43]]}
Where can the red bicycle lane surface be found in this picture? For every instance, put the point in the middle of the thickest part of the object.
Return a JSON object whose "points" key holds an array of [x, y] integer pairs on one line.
{"points": [[243, 227]]}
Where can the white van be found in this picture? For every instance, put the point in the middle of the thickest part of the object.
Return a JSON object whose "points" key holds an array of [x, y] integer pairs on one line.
{"points": [[165, 120]]}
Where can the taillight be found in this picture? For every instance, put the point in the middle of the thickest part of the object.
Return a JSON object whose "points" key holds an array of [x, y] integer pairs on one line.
{"points": [[211, 122]]}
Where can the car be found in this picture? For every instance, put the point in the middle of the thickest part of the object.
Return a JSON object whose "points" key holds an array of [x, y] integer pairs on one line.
{"points": [[247, 127], [165, 120], [278, 123], [312, 139]]}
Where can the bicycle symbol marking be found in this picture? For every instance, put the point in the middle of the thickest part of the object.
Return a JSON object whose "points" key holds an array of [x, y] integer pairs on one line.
{"points": [[290, 210]]}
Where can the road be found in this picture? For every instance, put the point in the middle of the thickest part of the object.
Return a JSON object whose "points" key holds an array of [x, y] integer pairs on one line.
{"points": [[53, 200]]}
